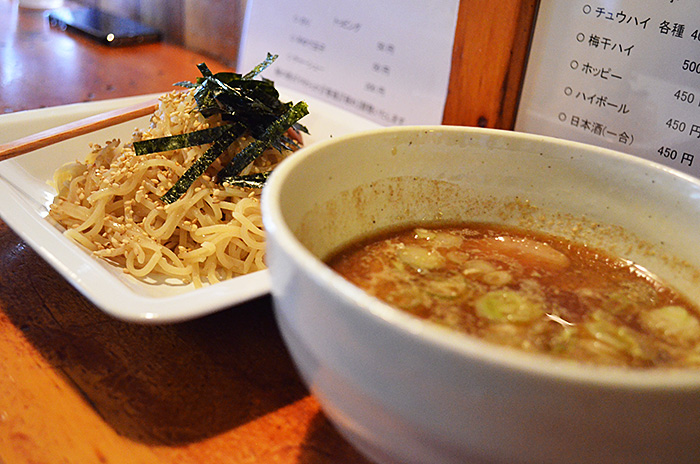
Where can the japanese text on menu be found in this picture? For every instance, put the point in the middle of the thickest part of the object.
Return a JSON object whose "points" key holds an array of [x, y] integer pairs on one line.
{"points": [[623, 75], [361, 56]]}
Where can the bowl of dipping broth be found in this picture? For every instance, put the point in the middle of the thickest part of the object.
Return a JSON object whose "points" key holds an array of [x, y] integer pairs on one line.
{"points": [[465, 295]]}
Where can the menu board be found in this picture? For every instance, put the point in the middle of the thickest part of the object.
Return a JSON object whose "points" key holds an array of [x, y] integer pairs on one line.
{"points": [[388, 61], [623, 75]]}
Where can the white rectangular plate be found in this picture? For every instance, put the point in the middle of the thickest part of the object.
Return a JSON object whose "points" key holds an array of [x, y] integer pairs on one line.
{"points": [[26, 196]]}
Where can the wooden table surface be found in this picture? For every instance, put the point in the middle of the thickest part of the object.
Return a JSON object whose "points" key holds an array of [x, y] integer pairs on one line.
{"points": [[77, 386]]}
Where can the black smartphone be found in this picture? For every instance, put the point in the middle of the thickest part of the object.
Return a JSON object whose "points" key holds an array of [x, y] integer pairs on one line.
{"points": [[106, 28]]}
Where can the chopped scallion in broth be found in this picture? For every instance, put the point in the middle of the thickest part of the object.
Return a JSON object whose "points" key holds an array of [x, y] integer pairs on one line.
{"points": [[528, 290]]}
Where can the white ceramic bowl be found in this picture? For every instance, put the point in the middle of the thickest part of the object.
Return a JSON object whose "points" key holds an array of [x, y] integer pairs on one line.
{"points": [[404, 390]]}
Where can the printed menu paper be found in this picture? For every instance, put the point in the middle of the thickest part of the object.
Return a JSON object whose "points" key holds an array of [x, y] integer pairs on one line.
{"points": [[623, 75], [388, 61]]}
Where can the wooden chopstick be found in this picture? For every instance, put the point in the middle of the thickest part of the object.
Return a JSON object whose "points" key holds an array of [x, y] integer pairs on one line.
{"points": [[76, 128]]}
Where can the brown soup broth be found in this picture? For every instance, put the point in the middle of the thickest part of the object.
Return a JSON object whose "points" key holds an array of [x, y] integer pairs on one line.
{"points": [[528, 290]]}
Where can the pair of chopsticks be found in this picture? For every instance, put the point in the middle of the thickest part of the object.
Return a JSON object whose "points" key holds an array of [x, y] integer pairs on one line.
{"points": [[76, 128]]}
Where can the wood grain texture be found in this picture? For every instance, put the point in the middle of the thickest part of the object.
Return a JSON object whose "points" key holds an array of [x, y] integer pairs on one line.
{"points": [[212, 27], [77, 386], [75, 129], [488, 61], [43, 67]]}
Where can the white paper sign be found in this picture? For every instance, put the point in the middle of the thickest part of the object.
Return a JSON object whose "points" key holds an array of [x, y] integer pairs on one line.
{"points": [[622, 75], [388, 61]]}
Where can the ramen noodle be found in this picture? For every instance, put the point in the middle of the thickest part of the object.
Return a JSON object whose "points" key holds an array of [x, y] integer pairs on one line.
{"points": [[530, 291], [111, 205]]}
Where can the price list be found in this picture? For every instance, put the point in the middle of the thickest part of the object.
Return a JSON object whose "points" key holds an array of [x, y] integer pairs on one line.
{"points": [[388, 61], [623, 75]]}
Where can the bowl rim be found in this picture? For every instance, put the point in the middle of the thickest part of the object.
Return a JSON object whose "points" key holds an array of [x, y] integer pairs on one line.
{"points": [[425, 332]]}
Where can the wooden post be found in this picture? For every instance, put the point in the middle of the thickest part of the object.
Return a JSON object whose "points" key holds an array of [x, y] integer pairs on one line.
{"points": [[488, 62]]}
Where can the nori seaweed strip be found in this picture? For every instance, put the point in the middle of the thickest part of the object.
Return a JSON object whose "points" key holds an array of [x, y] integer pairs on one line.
{"points": [[272, 134], [287, 143], [185, 84], [253, 103], [203, 162], [253, 106], [249, 181], [239, 98], [206, 92], [256, 111], [261, 67], [174, 142]]}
